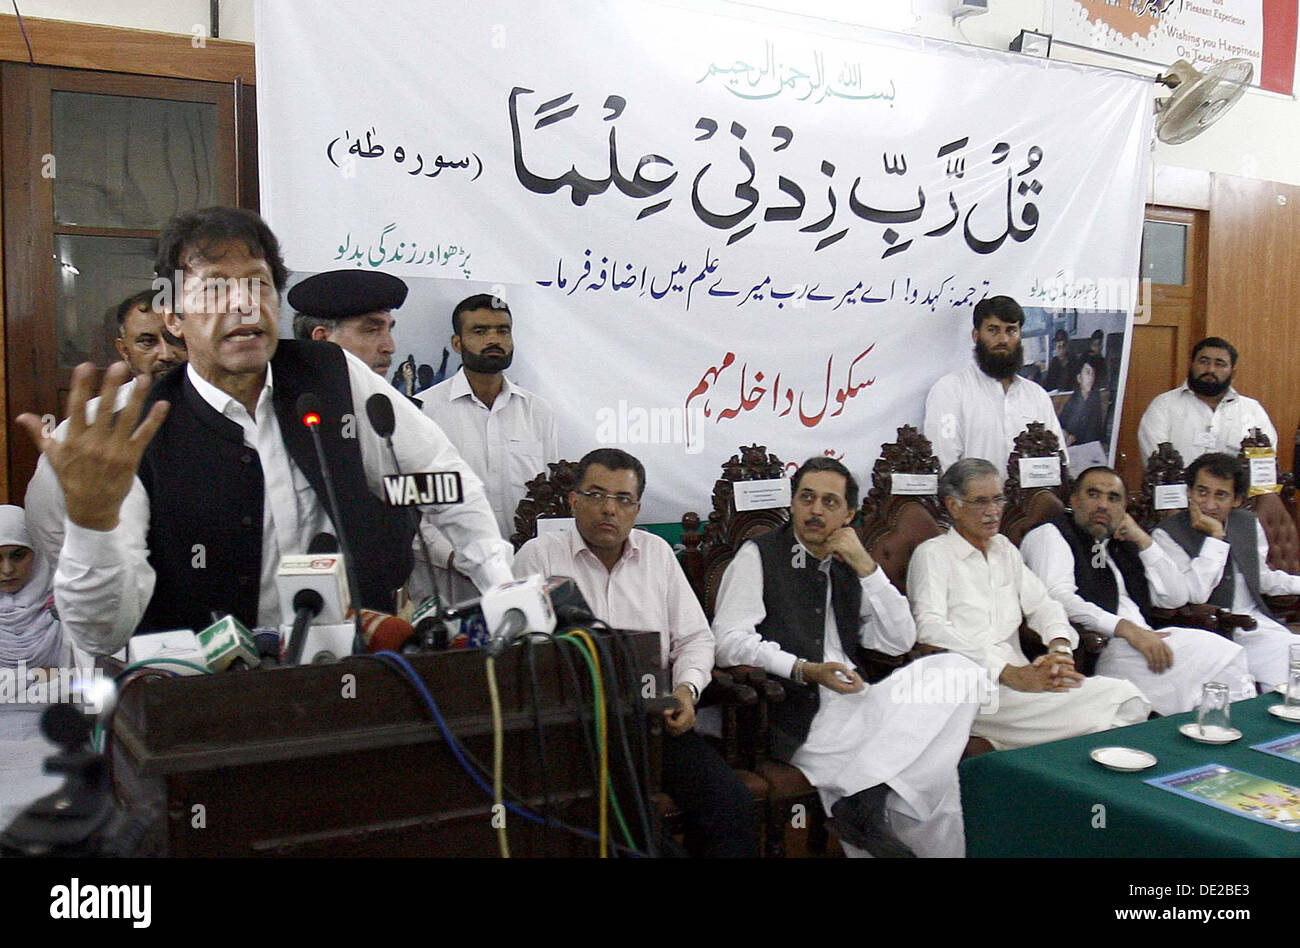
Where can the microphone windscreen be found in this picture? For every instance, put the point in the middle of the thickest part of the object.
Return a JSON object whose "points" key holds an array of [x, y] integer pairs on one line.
{"points": [[383, 632], [323, 543], [379, 409], [309, 403]]}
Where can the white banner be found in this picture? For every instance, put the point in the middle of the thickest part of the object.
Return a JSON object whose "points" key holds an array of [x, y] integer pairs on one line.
{"points": [[714, 226]]}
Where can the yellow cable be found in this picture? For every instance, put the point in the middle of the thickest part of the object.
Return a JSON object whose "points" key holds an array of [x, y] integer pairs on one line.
{"points": [[604, 741], [498, 748]]}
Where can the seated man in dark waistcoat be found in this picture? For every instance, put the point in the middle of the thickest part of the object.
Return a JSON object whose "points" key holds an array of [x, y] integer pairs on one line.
{"points": [[801, 602], [1222, 553], [191, 511], [1108, 574]]}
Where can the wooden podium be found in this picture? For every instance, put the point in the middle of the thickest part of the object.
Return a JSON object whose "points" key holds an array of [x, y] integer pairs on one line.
{"points": [[345, 759]]}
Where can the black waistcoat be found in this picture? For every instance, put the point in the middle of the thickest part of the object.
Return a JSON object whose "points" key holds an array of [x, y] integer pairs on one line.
{"points": [[1096, 583], [794, 599], [205, 492], [1240, 534]]}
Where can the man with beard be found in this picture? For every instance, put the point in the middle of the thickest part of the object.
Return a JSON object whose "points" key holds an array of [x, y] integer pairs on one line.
{"points": [[1205, 414], [150, 352], [978, 411], [1108, 574], [505, 433], [352, 309]]}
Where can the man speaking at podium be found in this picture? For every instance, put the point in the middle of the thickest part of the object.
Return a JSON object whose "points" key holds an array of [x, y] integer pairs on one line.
{"points": [[190, 512]]}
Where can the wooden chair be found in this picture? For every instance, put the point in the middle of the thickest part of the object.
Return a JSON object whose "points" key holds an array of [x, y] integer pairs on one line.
{"points": [[547, 496], [1276, 514], [1164, 467], [708, 549], [1027, 507]]}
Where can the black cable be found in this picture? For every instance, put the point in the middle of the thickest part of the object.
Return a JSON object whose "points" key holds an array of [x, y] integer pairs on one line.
{"points": [[486, 773], [629, 662], [539, 729], [607, 661], [588, 739], [31, 58]]}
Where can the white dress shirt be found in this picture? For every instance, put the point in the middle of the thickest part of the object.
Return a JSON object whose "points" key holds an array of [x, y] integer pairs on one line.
{"points": [[1204, 571], [505, 445], [1193, 428], [104, 581], [1050, 557], [968, 415], [646, 590]]}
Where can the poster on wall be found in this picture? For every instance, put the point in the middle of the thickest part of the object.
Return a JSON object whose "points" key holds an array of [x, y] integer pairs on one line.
{"points": [[715, 226], [1203, 32]]}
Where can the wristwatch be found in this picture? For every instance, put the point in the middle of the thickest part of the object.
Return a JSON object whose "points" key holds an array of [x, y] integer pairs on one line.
{"points": [[1062, 649], [695, 692]]}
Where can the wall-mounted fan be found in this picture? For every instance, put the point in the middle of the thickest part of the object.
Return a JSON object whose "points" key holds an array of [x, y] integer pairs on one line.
{"points": [[1200, 98]]}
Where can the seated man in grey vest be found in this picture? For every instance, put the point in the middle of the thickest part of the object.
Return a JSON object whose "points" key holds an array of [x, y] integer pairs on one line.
{"points": [[801, 602], [970, 591], [1108, 574], [1222, 553], [191, 510]]}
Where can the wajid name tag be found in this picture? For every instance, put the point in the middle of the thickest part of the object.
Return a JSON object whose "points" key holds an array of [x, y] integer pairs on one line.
{"points": [[411, 490]]}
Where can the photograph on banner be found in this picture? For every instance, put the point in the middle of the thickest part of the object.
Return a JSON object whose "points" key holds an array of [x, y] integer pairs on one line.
{"points": [[735, 227], [1076, 355]]}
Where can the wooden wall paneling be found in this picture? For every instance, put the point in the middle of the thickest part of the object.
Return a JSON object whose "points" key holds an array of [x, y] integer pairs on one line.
{"points": [[1254, 292], [113, 49]]}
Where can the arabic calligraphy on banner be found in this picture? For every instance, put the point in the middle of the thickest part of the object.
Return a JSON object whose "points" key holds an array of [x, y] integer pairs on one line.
{"points": [[712, 229]]}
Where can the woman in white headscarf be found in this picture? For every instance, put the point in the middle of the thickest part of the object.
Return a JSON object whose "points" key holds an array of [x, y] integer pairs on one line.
{"points": [[30, 638]]}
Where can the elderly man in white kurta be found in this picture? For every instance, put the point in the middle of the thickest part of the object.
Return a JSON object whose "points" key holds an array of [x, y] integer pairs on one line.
{"points": [[978, 411], [970, 589], [1109, 575], [798, 603]]}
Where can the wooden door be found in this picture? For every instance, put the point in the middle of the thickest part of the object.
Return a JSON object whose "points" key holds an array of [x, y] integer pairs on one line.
{"points": [[1174, 244]]}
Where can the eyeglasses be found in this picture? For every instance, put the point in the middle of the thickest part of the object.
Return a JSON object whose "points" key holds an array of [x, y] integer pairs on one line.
{"points": [[598, 497], [806, 498], [984, 503]]}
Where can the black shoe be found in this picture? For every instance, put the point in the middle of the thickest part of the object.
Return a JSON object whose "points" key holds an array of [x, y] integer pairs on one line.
{"points": [[860, 821]]}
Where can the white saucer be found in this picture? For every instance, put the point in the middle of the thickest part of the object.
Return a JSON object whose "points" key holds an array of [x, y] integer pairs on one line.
{"points": [[1285, 713], [1212, 735], [1123, 759]]}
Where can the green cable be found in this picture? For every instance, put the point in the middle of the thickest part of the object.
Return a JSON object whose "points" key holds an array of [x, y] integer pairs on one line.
{"points": [[600, 734]]}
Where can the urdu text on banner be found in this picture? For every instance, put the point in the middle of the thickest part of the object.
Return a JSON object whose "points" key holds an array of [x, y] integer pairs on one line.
{"points": [[713, 229]]}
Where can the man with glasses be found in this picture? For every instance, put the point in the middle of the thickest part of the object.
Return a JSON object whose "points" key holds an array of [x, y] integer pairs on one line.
{"points": [[970, 590], [1205, 414], [801, 602], [631, 580], [1222, 553]]}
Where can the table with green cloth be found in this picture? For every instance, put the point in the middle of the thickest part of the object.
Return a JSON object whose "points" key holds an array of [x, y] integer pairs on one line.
{"points": [[1054, 800]]}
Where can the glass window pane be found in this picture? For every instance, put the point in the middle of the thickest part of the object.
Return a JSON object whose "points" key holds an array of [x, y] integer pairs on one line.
{"points": [[1164, 252], [122, 161], [91, 276]]}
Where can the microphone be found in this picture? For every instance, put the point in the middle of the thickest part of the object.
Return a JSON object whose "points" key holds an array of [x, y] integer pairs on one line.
{"points": [[312, 587], [309, 410], [515, 608], [379, 409], [383, 632]]}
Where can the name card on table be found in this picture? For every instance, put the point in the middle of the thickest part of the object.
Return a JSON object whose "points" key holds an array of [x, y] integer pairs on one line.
{"points": [[908, 485], [1040, 472], [762, 495], [1170, 496]]}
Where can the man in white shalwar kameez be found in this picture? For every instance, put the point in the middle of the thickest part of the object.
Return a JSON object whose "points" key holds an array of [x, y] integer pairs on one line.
{"points": [[1109, 574], [970, 590], [799, 602]]}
